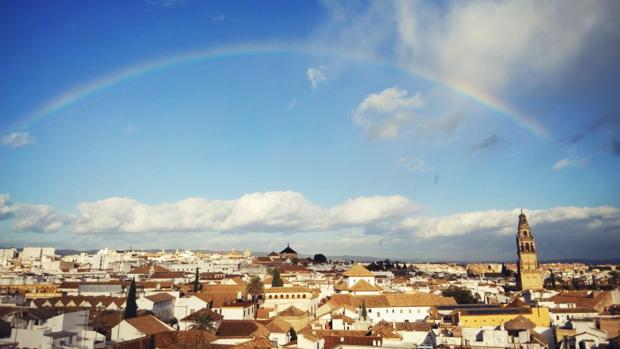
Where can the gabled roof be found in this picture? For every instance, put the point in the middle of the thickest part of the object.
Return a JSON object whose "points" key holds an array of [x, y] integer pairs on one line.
{"points": [[148, 324], [277, 325], [358, 270], [160, 297], [363, 285], [517, 303], [288, 249], [292, 312], [519, 323]]}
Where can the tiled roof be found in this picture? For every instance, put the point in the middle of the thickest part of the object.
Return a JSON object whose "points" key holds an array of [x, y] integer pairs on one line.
{"points": [[392, 300], [519, 323], [160, 297], [363, 285], [204, 311], [195, 339], [241, 328], [257, 343], [358, 270], [218, 298], [148, 324], [292, 312], [277, 325]]}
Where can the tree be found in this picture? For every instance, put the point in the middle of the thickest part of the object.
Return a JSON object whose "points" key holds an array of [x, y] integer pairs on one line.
{"points": [[364, 312], [276, 280], [203, 322], [461, 295], [255, 287], [197, 285], [594, 285], [131, 307], [319, 258]]}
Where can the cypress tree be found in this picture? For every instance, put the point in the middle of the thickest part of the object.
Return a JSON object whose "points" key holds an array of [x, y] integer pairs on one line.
{"points": [[196, 282], [276, 280], [552, 280], [594, 285], [131, 307], [364, 311]]}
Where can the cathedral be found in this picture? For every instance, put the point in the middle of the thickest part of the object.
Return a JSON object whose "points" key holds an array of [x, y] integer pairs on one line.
{"points": [[529, 276]]}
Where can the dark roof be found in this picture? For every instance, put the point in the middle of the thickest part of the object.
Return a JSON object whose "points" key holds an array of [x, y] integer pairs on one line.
{"points": [[241, 328], [288, 249], [61, 334], [465, 306]]}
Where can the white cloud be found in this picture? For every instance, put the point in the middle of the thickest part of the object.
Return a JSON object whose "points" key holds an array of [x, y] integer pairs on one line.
{"points": [[382, 115], [490, 43], [564, 163], [414, 164], [258, 212], [381, 224], [482, 43], [17, 139], [317, 75], [503, 222]]}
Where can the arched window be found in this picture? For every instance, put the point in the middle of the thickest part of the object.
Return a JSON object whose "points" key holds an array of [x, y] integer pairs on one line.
{"points": [[527, 247], [525, 233]]}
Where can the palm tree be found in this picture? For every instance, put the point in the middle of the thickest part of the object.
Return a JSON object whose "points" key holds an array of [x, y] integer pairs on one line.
{"points": [[255, 287], [203, 322]]}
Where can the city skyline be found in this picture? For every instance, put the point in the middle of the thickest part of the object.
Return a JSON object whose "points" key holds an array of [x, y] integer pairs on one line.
{"points": [[183, 124]]}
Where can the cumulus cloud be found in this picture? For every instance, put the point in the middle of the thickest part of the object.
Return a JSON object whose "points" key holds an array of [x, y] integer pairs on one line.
{"points": [[317, 75], [32, 218], [5, 209], [564, 163], [492, 142], [17, 139], [382, 115], [373, 221], [282, 211]]}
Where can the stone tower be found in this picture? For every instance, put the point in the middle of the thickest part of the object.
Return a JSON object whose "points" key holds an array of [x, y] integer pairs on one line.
{"points": [[529, 277]]}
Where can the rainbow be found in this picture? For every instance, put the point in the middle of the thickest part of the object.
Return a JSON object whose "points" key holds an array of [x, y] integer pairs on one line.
{"points": [[79, 93]]}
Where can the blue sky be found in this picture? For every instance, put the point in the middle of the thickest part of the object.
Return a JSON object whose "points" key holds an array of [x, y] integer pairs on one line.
{"points": [[405, 129]]}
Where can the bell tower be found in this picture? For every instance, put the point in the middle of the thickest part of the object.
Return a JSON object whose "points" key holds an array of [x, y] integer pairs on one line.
{"points": [[529, 275]]}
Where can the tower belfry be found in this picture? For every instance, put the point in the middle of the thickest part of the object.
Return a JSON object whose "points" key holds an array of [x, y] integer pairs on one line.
{"points": [[529, 275]]}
